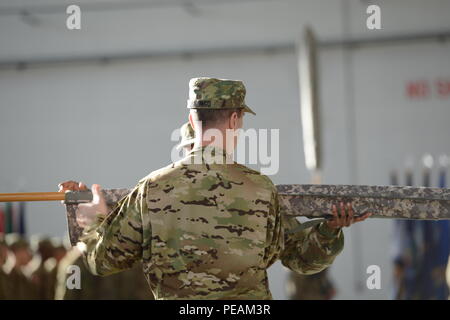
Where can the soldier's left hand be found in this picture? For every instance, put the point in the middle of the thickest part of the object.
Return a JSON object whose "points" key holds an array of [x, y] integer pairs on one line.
{"points": [[345, 217]]}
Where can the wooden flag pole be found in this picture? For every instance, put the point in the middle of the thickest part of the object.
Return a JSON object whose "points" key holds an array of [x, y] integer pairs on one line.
{"points": [[32, 196]]}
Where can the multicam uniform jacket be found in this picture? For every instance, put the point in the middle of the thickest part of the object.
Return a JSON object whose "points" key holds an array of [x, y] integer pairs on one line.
{"points": [[206, 231]]}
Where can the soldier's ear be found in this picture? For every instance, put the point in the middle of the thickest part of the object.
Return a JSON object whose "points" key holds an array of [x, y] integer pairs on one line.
{"points": [[233, 121], [191, 121]]}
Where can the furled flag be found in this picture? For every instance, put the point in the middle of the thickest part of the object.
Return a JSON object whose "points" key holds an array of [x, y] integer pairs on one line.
{"points": [[22, 226], [2, 221], [8, 218]]}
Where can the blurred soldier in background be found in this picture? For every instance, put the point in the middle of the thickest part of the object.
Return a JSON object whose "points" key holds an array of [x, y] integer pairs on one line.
{"points": [[43, 249], [89, 283], [129, 285], [3, 255], [51, 266], [49, 253], [420, 261], [448, 276], [310, 287], [19, 285], [44, 276]]}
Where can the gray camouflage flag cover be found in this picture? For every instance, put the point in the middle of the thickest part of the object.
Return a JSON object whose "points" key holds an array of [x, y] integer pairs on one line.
{"points": [[314, 201]]}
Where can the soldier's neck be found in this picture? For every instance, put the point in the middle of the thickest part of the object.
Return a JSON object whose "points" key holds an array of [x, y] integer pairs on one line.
{"points": [[214, 144]]}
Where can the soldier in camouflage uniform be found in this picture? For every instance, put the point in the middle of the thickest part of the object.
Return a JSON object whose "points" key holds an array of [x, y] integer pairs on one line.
{"points": [[316, 286], [41, 276], [206, 227]]}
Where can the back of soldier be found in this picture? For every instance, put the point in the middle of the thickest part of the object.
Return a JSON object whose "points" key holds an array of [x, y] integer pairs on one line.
{"points": [[205, 227], [209, 227]]}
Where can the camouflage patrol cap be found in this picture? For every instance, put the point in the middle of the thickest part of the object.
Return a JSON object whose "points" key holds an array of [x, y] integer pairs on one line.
{"points": [[212, 93], [187, 135]]}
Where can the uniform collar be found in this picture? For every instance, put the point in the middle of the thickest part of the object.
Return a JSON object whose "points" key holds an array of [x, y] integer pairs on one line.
{"points": [[211, 154]]}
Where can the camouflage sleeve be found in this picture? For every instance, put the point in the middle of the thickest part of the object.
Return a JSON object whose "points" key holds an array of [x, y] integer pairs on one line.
{"points": [[311, 250], [274, 236], [114, 242]]}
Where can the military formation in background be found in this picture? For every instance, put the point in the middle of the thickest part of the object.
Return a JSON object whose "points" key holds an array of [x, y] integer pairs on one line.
{"points": [[39, 269], [421, 249], [310, 287]]}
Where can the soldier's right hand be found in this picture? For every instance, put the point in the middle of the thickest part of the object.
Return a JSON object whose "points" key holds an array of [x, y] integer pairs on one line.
{"points": [[88, 212], [71, 186]]}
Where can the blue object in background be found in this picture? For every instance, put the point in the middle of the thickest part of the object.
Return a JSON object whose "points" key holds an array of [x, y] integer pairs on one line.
{"points": [[421, 252]]}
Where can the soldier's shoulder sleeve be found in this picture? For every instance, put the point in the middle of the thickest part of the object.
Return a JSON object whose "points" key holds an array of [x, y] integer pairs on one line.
{"points": [[275, 241], [310, 250], [262, 180], [246, 170], [114, 242], [160, 173]]}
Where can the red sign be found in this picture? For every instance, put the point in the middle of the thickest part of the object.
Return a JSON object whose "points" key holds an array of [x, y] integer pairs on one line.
{"points": [[443, 88], [421, 89]]}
